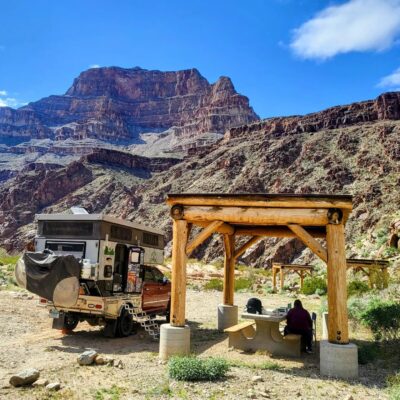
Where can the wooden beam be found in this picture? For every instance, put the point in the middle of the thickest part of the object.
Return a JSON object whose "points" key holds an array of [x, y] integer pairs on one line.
{"points": [[274, 278], [277, 231], [255, 200], [202, 236], [337, 288], [178, 273], [248, 244], [229, 270], [224, 228], [309, 241], [258, 216]]}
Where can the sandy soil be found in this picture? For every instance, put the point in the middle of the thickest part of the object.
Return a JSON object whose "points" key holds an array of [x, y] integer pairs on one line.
{"points": [[27, 340]]}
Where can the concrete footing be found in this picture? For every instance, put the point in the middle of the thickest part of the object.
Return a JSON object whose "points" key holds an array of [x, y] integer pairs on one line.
{"points": [[227, 316], [325, 326], [338, 360], [174, 341]]}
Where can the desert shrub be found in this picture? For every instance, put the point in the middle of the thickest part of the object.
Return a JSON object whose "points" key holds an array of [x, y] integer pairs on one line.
{"points": [[243, 284], [356, 306], [214, 284], [394, 387], [383, 318], [197, 369], [314, 283], [357, 288], [367, 353]]}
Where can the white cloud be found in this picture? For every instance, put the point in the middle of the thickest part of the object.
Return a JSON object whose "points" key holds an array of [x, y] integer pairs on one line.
{"points": [[391, 81], [94, 66], [3, 92], [356, 25], [9, 102]]}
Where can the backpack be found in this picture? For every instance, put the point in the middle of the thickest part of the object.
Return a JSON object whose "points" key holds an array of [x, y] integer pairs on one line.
{"points": [[254, 306]]}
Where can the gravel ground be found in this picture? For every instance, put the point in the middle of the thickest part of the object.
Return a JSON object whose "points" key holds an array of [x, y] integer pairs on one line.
{"points": [[27, 341]]}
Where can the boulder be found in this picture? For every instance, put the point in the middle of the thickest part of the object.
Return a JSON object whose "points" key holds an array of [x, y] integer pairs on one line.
{"points": [[54, 386], [25, 378], [87, 358]]}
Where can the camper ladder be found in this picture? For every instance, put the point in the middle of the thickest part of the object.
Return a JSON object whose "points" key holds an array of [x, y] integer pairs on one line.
{"points": [[145, 321]]}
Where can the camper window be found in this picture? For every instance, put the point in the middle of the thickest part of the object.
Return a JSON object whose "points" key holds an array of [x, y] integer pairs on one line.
{"points": [[67, 248]]}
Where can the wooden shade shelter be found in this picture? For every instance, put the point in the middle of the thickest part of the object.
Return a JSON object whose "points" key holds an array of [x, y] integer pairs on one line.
{"points": [[369, 267], [306, 217], [300, 269]]}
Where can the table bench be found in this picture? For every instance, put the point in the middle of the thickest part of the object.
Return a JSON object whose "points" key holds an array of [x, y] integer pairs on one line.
{"points": [[262, 333]]}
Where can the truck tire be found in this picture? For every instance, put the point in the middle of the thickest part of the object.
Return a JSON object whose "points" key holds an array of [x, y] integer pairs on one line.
{"points": [[70, 322], [125, 324]]}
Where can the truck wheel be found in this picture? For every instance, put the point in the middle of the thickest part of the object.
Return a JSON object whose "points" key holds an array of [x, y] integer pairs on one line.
{"points": [[70, 322], [125, 324]]}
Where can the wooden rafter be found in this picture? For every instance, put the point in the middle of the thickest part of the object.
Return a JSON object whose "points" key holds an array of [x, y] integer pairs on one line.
{"points": [[248, 244], [309, 241], [225, 228], [202, 236]]}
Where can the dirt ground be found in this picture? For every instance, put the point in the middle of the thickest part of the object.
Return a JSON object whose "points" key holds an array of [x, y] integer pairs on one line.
{"points": [[27, 340]]}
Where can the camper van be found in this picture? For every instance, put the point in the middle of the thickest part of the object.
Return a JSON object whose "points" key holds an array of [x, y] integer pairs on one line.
{"points": [[99, 269]]}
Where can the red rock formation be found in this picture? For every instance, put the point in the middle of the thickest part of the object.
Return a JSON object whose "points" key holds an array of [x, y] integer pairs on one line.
{"points": [[386, 106], [118, 104]]}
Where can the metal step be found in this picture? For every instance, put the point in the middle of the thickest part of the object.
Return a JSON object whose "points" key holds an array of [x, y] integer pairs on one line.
{"points": [[145, 321]]}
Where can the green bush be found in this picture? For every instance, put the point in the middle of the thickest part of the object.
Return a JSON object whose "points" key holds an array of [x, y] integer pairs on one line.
{"points": [[357, 288], [356, 306], [243, 284], [394, 387], [383, 318], [214, 284], [197, 369], [314, 283]]}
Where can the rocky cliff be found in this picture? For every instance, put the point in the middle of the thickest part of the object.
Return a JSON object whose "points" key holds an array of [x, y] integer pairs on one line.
{"points": [[352, 149], [117, 104]]}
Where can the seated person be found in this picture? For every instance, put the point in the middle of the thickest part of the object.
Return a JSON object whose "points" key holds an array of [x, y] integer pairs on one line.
{"points": [[299, 322]]}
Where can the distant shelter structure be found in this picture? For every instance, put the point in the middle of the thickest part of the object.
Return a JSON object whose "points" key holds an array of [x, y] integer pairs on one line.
{"points": [[281, 269], [306, 217]]}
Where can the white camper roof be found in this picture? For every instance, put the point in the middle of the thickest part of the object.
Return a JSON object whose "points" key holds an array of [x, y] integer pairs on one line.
{"points": [[95, 217]]}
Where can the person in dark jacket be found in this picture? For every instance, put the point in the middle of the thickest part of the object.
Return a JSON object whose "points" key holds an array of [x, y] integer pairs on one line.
{"points": [[299, 322]]}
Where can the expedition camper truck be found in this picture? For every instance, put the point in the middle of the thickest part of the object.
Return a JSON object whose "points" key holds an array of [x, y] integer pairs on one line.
{"points": [[99, 269]]}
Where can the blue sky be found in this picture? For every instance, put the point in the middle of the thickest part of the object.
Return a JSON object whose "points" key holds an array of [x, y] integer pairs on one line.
{"points": [[288, 56]]}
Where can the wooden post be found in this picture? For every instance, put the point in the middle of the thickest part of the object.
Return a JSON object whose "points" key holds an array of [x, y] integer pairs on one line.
{"points": [[229, 269], [301, 280], [274, 278], [282, 277], [337, 289], [178, 278]]}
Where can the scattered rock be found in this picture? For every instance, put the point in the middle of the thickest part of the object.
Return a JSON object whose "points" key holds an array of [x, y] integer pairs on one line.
{"points": [[256, 379], [119, 364], [41, 382], [100, 360], [54, 386], [24, 378], [87, 357]]}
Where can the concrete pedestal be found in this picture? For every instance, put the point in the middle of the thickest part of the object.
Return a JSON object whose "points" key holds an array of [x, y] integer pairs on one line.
{"points": [[325, 326], [174, 341], [338, 360], [227, 316]]}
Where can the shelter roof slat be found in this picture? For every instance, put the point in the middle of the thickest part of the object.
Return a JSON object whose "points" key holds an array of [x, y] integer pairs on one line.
{"points": [[262, 200]]}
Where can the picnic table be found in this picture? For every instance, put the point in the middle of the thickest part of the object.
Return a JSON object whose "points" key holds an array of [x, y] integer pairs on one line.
{"points": [[262, 332]]}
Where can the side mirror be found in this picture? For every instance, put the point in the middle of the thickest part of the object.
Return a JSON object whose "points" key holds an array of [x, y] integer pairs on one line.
{"points": [[164, 280]]}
